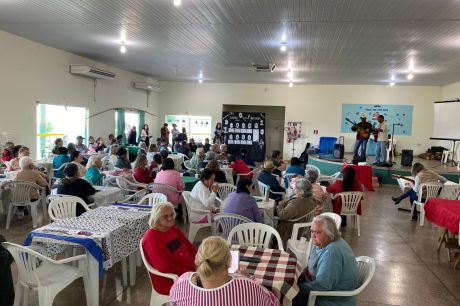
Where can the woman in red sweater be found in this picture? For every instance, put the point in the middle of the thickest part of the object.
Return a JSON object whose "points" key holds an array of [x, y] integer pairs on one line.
{"points": [[166, 248], [347, 184], [143, 173]]}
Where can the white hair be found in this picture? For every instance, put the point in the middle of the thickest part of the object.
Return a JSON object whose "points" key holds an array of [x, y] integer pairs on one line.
{"points": [[156, 212], [304, 186], [329, 226], [92, 161], [143, 145], [25, 162]]}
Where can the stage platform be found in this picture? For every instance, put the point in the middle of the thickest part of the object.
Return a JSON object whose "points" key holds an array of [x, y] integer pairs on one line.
{"points": [[330, 167]]}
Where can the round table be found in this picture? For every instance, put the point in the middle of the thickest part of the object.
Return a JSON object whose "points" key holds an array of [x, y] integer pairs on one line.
{"points": [[189, 182]]}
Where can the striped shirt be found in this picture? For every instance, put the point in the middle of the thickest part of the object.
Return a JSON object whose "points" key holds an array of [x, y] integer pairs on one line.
{"points": [[239, 291]]}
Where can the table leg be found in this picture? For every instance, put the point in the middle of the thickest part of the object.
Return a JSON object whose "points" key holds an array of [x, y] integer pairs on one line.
{"points": [[93, 279], [442, 239], [132, 269]]}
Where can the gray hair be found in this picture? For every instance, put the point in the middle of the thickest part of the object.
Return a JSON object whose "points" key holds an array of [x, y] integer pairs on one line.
{"points": [[210, 155], [312, 176], [92, 160], [156, 212], [143, 145], [25, 162], [329, 227], [304, 186]]}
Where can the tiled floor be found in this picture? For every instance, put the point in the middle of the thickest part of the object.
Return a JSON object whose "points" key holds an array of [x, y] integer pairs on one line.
{"points": [[409, 269]]}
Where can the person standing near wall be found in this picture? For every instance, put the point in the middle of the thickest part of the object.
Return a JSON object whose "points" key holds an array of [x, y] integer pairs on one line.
{"points": [[382, 141]]}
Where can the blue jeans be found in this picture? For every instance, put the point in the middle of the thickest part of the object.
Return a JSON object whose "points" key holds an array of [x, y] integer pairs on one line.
{"points": [[360, 143], [381, 151]]}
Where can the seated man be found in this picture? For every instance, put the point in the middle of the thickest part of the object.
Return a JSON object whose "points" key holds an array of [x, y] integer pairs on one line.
{"points": [[331, 266], [267, 178]]}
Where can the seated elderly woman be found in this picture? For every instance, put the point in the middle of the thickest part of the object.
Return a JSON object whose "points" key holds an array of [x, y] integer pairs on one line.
{"points": [[295, 167], [210, 155], [242, 203], [113, 157], [71, 147], [122, 159], [142, 171], [76, 158], [213, 285], [266, 177], [100, 145], [73, 185], [331, 266], [318, 192], [29, 174], [59, 160], [142, 148], [166, 248], [223, 151], [153, 149], [58, 142], [220, 175], [14, 163], [170, 176], [204, 194], [196, 161], [93, 173], [301, 203]]}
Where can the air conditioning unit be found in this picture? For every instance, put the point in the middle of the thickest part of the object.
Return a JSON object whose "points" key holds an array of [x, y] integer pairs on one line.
{"points": [[148, 86], [91, 72], [264, 67]]}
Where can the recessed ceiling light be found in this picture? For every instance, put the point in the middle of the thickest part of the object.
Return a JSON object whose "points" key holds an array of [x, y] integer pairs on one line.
{"points": [[201, 75], [291, 84], [411, 64], [123, 35], [200, 81], [283, 47], [290, 74], [177, 2], [392, 84], [410, 76], [283, 38], [393, 77], [123, 49]]}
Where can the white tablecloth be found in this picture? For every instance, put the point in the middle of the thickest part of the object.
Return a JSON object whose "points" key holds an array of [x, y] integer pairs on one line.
{"points": [[107, 195], [268, 208]]}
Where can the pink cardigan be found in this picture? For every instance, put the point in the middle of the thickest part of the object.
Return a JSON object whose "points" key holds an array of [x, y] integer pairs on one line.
{"points": [[171, 178]]}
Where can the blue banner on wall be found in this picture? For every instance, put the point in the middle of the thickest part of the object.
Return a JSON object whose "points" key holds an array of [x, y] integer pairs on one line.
{"points": [[393, 113]]}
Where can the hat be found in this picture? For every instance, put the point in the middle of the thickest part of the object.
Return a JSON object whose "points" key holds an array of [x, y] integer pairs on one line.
{"points": [[363, 116], [80, 137], [268, 165]]}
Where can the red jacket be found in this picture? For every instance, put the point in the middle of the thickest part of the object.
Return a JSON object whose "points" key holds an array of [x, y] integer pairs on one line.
{"points": [[168, 252], [143, 175], [337, 187], [240, 168]]}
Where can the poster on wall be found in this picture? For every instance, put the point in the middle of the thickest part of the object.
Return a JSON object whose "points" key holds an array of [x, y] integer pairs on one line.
{"points": [[245, 131], [393, 113]]}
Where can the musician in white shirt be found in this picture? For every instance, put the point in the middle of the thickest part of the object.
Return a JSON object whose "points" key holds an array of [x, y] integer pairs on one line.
{"points": [[382, 140]]}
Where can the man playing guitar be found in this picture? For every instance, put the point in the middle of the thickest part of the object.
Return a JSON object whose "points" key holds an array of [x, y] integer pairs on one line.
{"points": [[381, 143], [363, 132]]}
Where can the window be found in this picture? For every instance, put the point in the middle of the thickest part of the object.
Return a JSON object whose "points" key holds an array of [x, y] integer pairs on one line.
{"points": [[198, 127], [53, 121], [131, 119]]}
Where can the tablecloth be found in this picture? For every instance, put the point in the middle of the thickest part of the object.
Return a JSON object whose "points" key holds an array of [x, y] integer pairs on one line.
{"points": [[189, 182], [107, 195], [277, 270], [444, 213], [363, 174]]}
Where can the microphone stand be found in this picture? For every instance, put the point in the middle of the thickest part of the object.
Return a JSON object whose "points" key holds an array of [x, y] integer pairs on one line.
{"points": [[392, 155]]}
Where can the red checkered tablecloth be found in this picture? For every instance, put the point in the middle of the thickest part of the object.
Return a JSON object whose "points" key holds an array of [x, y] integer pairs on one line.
{"points": [[277, 271]]}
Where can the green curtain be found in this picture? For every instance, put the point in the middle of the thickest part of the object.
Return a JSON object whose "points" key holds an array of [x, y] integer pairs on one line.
{"points": [[120, 123], [141, 124]]}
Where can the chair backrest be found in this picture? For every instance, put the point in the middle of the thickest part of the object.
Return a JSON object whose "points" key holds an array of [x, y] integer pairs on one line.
{"points": [[20, 191], [337, 219], [65, 207], [124, 184], [255, 234], [450, 192], [27, 261], [161, 188], [263, 189], [153, 198], [311, 167], [366, 270], [288, 178], [350, 201], [100, 182], [226, 222], [135, 197], [225, 189], [152, 269], [429, 190], [187, 164], [305, 218]]}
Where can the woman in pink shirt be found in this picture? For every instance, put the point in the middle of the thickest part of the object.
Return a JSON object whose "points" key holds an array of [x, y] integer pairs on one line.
{"points": [[169, 176]]}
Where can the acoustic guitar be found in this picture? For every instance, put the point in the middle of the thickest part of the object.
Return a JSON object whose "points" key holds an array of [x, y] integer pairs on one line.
{"points": [[363, 132], [396, 176]]}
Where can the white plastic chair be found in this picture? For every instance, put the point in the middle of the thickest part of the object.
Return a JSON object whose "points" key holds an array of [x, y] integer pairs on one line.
{"points": [[226, 222], [255, 234], [224, 189], [65, 207], [350, 203], [194, 225], [187, 164], [156, 299], [153, 198], [126, 186], [426, 191], [366, 270], [165, 189], [135, 197], [20, 197], [264, 190], [47, 276], [242, 175], [311, 167], [302, 249]]}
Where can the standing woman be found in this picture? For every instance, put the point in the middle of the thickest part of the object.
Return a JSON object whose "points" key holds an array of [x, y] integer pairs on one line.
{"points": [[219, 134], [145, 134]]}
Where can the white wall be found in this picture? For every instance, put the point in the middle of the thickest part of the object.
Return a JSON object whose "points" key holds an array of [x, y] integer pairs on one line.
{"points": [[450, 92], [317, 106], [33, 72]]}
